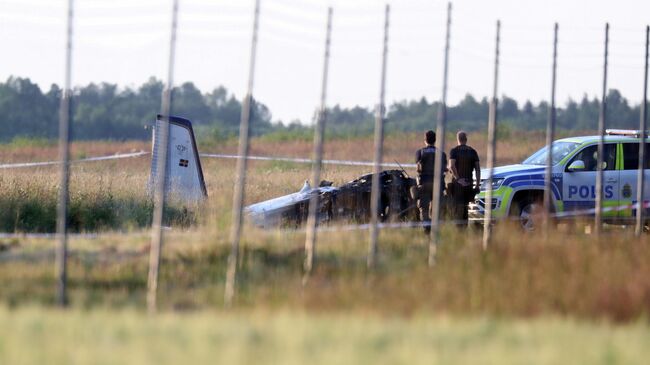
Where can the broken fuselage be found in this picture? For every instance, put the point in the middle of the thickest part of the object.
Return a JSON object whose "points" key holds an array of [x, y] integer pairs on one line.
{"points": [[349, 202]]}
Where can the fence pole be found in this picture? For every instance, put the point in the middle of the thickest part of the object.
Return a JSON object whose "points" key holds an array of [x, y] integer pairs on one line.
{"points": [[598, 222], [64, 169], [319, 131], [375, 193], [161, 172], [242, 161], [550, 136], [491, 148], [640, 211], [438, 176]]}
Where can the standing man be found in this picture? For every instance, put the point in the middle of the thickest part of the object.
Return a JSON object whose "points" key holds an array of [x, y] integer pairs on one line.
{"points": [[425, 159], [463, 160]]}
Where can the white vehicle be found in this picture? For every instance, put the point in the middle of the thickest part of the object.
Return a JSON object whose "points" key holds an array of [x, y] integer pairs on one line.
{"points": [[518, 190]]}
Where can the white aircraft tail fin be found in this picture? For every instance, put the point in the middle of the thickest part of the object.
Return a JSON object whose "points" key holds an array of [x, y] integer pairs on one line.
{"points": [[184, 176]]}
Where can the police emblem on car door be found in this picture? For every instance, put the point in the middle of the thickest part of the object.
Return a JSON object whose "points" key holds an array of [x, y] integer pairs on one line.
{"points": [[579, 183]]}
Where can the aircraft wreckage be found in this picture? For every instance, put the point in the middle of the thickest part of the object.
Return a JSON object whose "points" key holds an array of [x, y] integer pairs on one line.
{"points": [[349, 202]]}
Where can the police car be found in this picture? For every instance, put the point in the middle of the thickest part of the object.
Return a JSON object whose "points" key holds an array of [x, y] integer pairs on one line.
{"points": [[518, 190]]}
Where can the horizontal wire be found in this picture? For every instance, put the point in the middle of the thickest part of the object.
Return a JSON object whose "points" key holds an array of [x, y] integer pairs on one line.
{"points": [[291, 41]]}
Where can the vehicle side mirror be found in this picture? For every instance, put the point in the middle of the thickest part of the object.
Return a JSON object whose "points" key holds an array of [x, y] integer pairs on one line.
{"points": [[577, 165]]}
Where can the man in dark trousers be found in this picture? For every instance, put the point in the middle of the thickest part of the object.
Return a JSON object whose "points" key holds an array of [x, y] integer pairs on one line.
{"points": [[425, 159], [463, 160]]}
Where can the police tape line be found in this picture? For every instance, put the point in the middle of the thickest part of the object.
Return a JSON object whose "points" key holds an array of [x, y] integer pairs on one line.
{"points": [[89, 159], [307, 160], [210, 155]]}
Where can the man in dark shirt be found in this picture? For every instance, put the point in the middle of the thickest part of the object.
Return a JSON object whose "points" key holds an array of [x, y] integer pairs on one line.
{"points": [[425, 159], [463, 160]]}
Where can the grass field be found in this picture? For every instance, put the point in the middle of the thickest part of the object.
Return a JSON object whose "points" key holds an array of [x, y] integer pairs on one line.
{"points": [[520, 276], [571, 299], [112, 195], [36, 336]]}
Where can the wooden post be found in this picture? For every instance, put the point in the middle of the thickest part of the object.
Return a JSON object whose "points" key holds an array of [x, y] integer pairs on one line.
{"points": [[161, 172], [242, 161], [375, 193], [550, 136], [319, 131], [491, 151], [64, 169], [643, 125], [602, 121], [438, 176]]}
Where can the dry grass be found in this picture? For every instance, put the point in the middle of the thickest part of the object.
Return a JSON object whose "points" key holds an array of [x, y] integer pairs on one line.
{"points": [[521, 275], [103, 196], [48, 151], [398, 146], [111, 194]]}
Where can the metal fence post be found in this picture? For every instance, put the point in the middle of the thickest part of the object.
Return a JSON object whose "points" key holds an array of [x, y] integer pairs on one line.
{"points": [[491, 150], [550, 136], [319, 131], [598, 222], [375, 194], [161, 172], [242, 162], [64, 169], [640, 211], [438, 176]]}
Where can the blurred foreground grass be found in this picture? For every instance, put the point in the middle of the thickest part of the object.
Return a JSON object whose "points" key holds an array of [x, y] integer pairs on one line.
{"points": [[520, 275], [45, 336]]}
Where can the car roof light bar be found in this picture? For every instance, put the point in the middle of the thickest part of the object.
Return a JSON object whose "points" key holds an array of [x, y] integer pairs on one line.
{"points": [[624, 132]]}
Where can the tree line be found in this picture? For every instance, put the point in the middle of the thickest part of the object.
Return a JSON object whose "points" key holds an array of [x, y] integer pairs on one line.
{"points": [[105, 111]]}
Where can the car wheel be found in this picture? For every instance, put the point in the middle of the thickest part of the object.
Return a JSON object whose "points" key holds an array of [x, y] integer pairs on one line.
{"points": [[528, 215]]}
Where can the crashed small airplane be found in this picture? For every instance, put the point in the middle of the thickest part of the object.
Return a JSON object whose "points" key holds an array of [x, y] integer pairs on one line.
{"points": [[349, 202]]}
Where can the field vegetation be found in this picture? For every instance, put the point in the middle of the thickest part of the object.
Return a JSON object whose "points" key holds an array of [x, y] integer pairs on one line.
{"points": [[524, 300], [283, 337], [520, 275], [572, 275], [112, 195]]}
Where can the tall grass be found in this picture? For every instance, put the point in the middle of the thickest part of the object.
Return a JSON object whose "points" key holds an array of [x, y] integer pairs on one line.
{"points": [[113, 194], [99, 201], [520, 275]]}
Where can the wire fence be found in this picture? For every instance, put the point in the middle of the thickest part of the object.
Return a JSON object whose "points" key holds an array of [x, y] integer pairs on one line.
{"points": [[297, 25]]}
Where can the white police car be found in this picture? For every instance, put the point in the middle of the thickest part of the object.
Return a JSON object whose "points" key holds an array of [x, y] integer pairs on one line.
{"points": [[518, 190]]}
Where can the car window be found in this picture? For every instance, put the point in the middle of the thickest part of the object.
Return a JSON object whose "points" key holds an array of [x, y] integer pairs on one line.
{"points": [[631, 156], [589, 155], [560, 150]]}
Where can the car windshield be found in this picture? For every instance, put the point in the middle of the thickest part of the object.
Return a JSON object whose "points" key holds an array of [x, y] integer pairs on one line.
{"points": [[560, 151]]}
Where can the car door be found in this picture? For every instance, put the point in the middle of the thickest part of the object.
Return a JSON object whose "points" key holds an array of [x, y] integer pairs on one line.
{"points": [[629, 175], [579, 185]]}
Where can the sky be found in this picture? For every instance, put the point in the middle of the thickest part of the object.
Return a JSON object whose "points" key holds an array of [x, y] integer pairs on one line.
{"points": [[127, 41]]}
